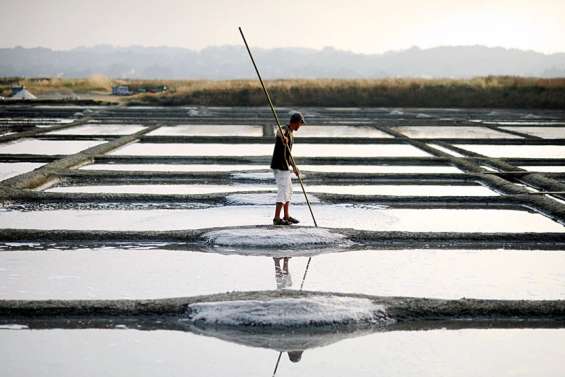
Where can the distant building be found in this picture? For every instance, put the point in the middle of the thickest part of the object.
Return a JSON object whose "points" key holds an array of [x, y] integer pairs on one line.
{"points": [[157, 89], [152, 89], [125, 90], [121, 90]]}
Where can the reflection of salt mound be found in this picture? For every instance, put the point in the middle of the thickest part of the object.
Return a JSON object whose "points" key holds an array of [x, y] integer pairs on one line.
{"points": [[423, 116], [396, 112], [289, 312], [266, 198], [279, 237], [281, 341]]}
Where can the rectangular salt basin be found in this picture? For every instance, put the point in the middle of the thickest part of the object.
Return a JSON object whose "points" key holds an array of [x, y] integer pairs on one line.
{"points": [[187, 189], [460, 132], [340, 131], [208, 130], [402, 190], [47, 147], [299, 150], [11, 169], [379, 169], [517, 151], [333, 216], [162, 189], [173, 167], [446, 150], [430, 353], [100, 129], [108, 273], [545, 132], [545, 169], [303, 168]]}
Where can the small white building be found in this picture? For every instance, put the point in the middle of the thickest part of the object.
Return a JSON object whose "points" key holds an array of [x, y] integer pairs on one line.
{"points": [[121, 90]]}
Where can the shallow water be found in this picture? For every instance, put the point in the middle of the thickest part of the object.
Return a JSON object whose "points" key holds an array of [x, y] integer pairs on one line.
{"points": [[120, 352], [162, 189], [394, 190], [100, 129], [208, 130], [460, 132], [517, 151], [380, 168], [172, 167], [150, 271], [340, 131], [113, 273], [446, 150], [549, 169], [47, 147], [545, 132], [333, 216], [303, 168], [11, 169], [299, 150]]}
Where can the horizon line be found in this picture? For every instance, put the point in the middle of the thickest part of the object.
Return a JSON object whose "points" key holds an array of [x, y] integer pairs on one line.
{"points": [[414, 47]]}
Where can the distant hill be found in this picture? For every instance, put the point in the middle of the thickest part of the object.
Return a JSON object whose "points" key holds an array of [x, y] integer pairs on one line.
{"points": [[232, 62]]}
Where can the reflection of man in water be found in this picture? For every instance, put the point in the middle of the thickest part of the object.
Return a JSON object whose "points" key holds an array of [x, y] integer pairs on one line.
{"points": [[295, 356], [282, 275], [284, 280]]}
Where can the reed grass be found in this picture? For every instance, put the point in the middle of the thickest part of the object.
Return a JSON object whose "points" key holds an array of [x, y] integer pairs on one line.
{"points": [[489, 91]]}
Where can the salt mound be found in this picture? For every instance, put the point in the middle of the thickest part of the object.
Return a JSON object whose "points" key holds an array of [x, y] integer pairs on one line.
{"points": [[279, 237], [289, 312], [267, 198]]}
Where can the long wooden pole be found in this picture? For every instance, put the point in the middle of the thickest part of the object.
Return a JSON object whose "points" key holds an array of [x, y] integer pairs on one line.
{"points": [[291, 160]]}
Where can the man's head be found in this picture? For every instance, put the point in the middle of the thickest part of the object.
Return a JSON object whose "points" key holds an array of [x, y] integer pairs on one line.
{"points": [[295, 356], [296, 120]]}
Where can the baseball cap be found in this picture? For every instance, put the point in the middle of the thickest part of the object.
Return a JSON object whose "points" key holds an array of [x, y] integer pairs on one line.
{"points": [[297, 117]]}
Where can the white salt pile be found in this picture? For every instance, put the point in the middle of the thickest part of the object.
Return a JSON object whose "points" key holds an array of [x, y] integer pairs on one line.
{"points": [[289, 312], [280, 237]]}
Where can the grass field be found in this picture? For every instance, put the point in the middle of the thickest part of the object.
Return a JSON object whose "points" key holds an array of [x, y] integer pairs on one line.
{"points": [[491, 91]]}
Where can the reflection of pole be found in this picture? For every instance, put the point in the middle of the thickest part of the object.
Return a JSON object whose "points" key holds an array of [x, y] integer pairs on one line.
{"points": [[277, 364], [305, 272]]}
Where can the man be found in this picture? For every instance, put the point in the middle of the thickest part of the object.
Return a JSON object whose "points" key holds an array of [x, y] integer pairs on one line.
{"points": [[280, 164]]}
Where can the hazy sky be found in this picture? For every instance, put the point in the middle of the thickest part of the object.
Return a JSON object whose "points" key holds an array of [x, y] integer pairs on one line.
{"points": [[358, 25]]}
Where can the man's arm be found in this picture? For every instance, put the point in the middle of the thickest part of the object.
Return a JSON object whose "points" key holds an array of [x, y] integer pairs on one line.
{"points": [[283, 137]]}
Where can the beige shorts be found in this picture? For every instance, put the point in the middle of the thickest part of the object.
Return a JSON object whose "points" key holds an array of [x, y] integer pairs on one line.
{"points": [[284, 185]]}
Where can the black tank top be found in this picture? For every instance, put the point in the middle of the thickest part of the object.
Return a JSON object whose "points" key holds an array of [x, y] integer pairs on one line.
{"points": [[281, 157]]}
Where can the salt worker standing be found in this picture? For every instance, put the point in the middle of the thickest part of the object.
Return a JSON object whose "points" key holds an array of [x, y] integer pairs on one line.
{"points": [[281, 164]]}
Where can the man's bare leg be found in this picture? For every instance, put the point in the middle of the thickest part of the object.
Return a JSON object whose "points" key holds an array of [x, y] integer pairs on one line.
{"points": [[286, 216], [278, 208]]}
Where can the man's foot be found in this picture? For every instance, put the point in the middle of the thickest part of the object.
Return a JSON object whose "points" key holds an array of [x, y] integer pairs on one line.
{"points": [[291, 220], [280, 222]]}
